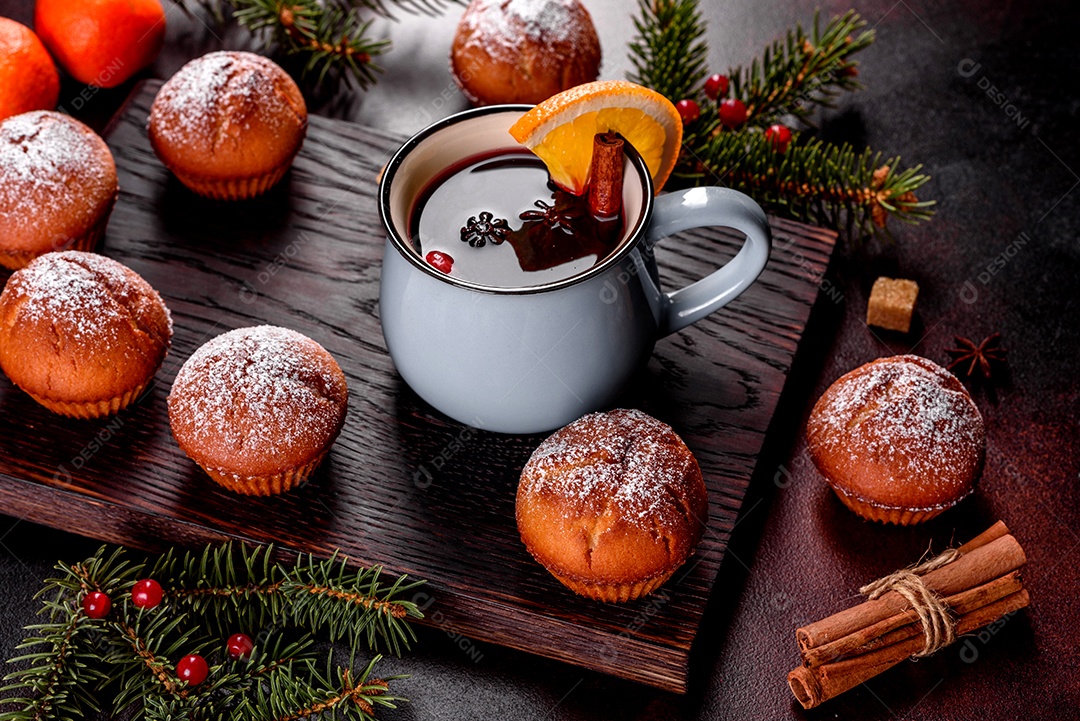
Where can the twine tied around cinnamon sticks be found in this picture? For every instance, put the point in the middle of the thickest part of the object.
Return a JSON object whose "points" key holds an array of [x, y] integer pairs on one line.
{"points": [[977, 584], [937, 622]]}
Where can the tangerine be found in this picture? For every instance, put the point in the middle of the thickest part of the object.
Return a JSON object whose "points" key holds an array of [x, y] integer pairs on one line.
{"points": [[28, 78], [101, 42]]}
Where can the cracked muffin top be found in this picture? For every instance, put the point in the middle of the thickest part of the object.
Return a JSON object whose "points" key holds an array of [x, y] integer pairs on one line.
{"points": [[612, 502], [78, 327], [57, 186], [228, 115], [258, 401]]}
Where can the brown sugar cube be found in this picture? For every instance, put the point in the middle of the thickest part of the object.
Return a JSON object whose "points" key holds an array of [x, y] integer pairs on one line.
{"points": [[892, 301]]}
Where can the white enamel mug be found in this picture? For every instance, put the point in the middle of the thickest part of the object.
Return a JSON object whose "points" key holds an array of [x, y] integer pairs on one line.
{"points": [[528, 360]]}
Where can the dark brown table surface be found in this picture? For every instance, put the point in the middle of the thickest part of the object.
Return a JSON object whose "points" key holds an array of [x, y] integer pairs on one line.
{"points": [[1003, 254]]}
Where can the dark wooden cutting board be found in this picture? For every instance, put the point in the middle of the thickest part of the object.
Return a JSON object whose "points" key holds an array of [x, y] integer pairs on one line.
{"points": [[404, 486]]}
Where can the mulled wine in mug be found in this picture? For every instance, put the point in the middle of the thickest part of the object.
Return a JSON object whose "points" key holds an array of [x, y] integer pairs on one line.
{"points": [[506, 303]]}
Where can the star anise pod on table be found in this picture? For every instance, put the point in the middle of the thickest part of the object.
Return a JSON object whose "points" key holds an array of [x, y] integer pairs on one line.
{"points": [[969, 358]]}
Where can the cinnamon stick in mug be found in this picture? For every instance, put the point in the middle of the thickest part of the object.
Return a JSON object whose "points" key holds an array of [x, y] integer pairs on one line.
{"points": [[606, 175]]}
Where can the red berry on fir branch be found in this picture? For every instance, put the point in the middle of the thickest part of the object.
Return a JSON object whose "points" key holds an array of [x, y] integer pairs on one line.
{"points": [[779, 136], [716, 86], [192, 669], [732, 113], [240, 645], [442, 262], [96, 604], [146, 593], [689, 110]]}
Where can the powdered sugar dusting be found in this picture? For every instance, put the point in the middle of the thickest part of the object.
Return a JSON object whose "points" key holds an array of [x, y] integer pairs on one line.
{"points": [[905, 414], [87, 298], [50, 163], [501, 26], [260, 393], [631, 460], [215, 96]]}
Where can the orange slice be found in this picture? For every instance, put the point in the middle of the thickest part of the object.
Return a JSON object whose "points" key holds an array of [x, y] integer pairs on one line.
{"points": [[560, 130]]}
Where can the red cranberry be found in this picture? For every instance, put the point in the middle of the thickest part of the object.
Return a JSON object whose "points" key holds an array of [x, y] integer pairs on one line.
{"points": [[689, 110], [146, 593], [716, 86], [96, 604], [240, 645], [442, 262], [732, 113], [192, 669], [779, 136]]}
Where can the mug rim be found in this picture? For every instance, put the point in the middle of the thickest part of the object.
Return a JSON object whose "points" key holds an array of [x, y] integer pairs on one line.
{"points": [[403, 248]]}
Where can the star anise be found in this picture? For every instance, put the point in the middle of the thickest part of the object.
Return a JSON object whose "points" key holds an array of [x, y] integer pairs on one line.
{"points": [[560, 215], [969, 358], [478, 232]]}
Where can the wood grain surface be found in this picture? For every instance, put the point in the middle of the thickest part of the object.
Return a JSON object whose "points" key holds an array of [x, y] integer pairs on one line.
{"points": [[404, 486]]}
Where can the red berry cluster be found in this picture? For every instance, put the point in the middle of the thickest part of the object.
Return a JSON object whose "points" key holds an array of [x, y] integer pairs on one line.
{"points": [[732, 110], [148, 594]]}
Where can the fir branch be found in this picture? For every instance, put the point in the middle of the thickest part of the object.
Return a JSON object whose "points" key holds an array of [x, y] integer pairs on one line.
{"points": [[140, 651], [353, 604], [831, 185], [52, 686], [331, 36], [57, 681], [130, 656], [669, 53], [333, 693], [802, 72]]}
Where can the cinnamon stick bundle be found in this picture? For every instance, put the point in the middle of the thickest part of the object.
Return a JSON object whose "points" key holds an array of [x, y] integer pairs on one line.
{"points": [[980, 586]]}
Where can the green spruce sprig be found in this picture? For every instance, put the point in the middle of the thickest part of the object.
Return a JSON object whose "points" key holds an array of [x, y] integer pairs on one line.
{"points": [[60, 674], [828, 184], [329, 36], [126, 662], [802, 72], [669, 52], [332, 37], [252, 590]]}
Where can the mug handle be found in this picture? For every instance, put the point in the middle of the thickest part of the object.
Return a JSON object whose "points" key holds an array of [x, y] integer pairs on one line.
{"points": [[709, 206]]}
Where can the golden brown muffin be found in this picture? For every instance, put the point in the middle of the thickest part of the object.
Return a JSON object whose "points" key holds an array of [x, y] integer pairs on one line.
{"points": [[228, 124], [258, 408], [523, 51], [57, 186], [81, 333], [612, 505], [899, 439]]}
